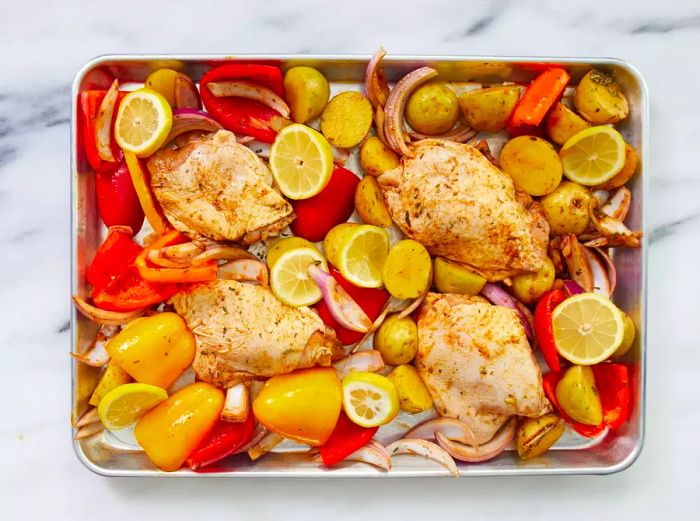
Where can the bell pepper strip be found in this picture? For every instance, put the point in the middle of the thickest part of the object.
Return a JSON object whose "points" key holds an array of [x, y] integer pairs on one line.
{"points": [[544, 330], [333, 205], [347, 437], [113, 258], [241, 115], [117, 201], [612, 381], [539, 98], [90, 101], [371, 300], [549, 384], [149, 205], [225, 439]]}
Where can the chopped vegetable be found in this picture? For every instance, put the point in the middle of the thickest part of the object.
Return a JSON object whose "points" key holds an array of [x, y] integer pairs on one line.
{"points": [[599, 99], [225, 439], [346, 120], [249, 90], [427, 450], [90, 101], [370, 204], [535, 436], [113, 377], [103, 123], [485, 452], [307, 92], [539, 97], [488, 110], [117, 200], [529, 287], [549, 384], [377, 158], [578, 396], [141, 181], [113, 258], [407, 269], [432, 109], [414, 396], [612, 381], [341, 305], [397, 340], [174, 428], [237, 405], [347, 437], [544, 330], [563, 123], [453, 277], [533, 164]]}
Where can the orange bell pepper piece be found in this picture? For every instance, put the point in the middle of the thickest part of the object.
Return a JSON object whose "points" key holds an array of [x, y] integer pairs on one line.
{"points": [[203, 273], [177, 426], [151, 208]]}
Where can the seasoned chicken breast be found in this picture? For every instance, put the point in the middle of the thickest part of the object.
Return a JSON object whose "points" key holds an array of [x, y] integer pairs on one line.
{"points": [[244, 332], [455, 202], [219, 189], [477, 363]]}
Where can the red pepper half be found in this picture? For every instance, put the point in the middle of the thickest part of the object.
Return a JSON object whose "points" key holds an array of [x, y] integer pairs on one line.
{"points": [[544, 330], [90, 101], [549, 384], [225, 439], [113, 258], [117, 200], [371, 300], [612, 381], [347, 437], [240, 115], [333, 205], [539, 98]]}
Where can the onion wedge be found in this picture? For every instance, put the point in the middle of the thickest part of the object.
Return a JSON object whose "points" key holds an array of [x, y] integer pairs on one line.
{"points": [[618, 205], [374, 90], [156, 258], [245, 270], [101, 316], [97, 355], [500, 297], [341, 305], [375, 326], [572, 288], [426, 449], [484, 452], [237, 404], [459, 134], [249, 90], [367, 361], [103, 123], [268, 442], [89, 430], [373, 454], [601, 282], [394, 130], [451, 428], [258, 434], [577, 262], [91, 416], [379, 118], [222, 253], [187, 120], [614, 231], [186, 93], [610, 268]]}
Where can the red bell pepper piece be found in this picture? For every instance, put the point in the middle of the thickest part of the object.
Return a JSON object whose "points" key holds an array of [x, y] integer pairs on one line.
{"points": [[549, 384], [240, 115], [333, 205], [539, 98], [117, 200], [90, 101], [371, 300], [544, 330], [113, 258], [347, 437], [225, 439], [612, 381]]}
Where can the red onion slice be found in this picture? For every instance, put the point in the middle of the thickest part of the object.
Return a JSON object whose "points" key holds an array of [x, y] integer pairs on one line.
{"points": [[186, 93], [618, 205], [610, 268], [572, 288], [103, 123], [616, 233], [451, 428], [484, 452], [500, 297], [394, 130], [107, 318], [186, 120], [577, 262], [249, 90], [366, 361], [341, 305], [370, 73], [245, 270], [373, 454], [601, 282], [426, 449], [460, 134], [258, 434]]}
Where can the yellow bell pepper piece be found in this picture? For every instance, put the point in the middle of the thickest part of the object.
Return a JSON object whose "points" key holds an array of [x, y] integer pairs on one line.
{"points": [[414, 396], [154, 350], [113, 377], [174, 428], [303, 405]]}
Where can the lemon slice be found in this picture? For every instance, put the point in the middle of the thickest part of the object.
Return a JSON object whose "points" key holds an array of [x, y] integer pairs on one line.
{"points": [[143, 122], [588, 328], [301, 160], [359, 252], [593, 156], [125, 404], [289, 261], [370, 399]]}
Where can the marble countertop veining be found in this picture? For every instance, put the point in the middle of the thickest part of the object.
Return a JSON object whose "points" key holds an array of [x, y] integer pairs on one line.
{"points": [[45, 42]]}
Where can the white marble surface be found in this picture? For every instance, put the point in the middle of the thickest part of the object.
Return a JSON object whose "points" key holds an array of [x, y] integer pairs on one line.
{"points": [[43, 43]]}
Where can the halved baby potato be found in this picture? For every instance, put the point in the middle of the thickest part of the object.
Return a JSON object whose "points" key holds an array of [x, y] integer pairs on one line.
{"points": [[488, 110]]}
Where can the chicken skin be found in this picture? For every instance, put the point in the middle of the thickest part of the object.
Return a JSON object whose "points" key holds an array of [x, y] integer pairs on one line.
{"points": [[455, 202], [244, 332], [219, 189], [477, 363]]}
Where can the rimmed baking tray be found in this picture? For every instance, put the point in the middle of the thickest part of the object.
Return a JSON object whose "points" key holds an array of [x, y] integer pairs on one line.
{"points": [[112, 455]]}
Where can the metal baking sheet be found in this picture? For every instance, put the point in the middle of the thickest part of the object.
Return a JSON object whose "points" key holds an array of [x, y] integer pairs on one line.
{"points": [[115, 454]]}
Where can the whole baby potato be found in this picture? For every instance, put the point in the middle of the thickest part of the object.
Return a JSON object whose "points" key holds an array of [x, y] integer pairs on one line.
{"points": [[307, 92], [432, 109], [533, 164], [566, 209], [488, 110], [530, 287], [370, 205], [578, 395], [376, 158], [397, 340], [599, 99]]}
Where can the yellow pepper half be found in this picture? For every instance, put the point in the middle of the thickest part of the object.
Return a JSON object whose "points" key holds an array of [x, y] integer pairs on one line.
{"points": [[154, 350], [174, 428], [303, 405]]}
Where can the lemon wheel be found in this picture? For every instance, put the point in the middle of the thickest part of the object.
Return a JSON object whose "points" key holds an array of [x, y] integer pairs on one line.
{"points": [[143, 122], [289, 261]]}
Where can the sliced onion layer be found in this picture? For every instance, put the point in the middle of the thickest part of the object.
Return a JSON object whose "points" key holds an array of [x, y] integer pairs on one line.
{"points": [[97, 355], [245, 270], [459, 134], [500, 297], [373, 89], [451, 428], [618, 205], [237, 404], [187, 120], [426, 449], [258, 434], [103, 123], [577, 262], [89, 430], [340, 304], [601, 282], [373, 454], [101, 316], [609, 267], [186, 93], [485, 452], [268, 442], [366, 361], [572, 288], [91, 416], [614, 231], [249, 90]]}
